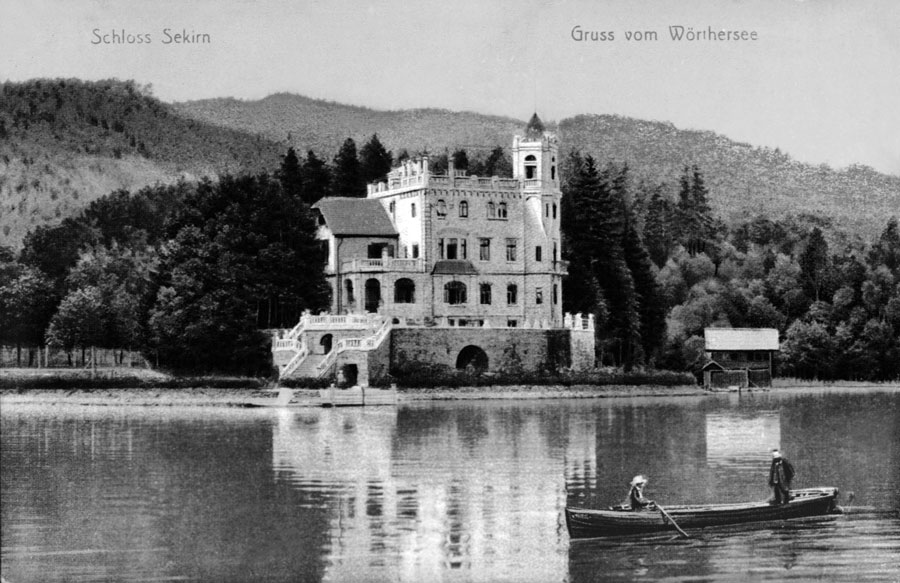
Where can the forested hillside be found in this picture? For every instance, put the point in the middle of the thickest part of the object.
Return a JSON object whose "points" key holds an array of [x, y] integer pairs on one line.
{"points": [[743, 180], [64, 143], [322, 126]]}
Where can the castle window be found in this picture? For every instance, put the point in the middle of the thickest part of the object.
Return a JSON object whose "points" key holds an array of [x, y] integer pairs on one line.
{"points": [[463, 254], [392, 206], [547, 210], [463, 209], [539, 296], [485, 293], [455, 293], [413, 209], [554, 210], [538, 254], [404, 291], [348, 287], [555, 294], [530, 167], [512, 323], [452, 248], [511, 248], [554, 251], [553, 173], [512, 294], [415, 250], [501, 210], [484, 249], [441, 209], [492, 210]]}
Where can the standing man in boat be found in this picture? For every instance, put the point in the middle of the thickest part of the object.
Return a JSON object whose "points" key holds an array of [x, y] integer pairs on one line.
{"points": [[781, 472], [636, 495]]}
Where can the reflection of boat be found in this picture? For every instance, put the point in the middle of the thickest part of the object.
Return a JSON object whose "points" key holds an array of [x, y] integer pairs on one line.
{"points": [[583, 522]]}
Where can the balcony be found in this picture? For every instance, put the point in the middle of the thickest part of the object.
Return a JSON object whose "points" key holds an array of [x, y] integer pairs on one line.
{"points": [[382, 265]]}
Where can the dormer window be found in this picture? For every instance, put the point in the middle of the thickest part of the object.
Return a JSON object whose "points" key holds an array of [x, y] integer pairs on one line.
{"points": [[530, 167]]}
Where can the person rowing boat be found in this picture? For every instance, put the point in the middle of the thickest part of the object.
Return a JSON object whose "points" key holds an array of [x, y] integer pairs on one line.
{"points": [[636, 500]]}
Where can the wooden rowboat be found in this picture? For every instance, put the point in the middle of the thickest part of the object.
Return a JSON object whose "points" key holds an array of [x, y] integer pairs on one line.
{"points": [[584, 522]]}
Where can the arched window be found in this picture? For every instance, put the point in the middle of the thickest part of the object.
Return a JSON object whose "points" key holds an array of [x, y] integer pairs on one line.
{"points": [[348, 287], [530, 167], [485, 293], [441, 209], [501, 210], [404, 291], [463, 209], [455, 293], [373, 295]]}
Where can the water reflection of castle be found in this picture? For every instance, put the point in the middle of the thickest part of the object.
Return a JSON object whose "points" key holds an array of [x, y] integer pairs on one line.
{"points": [[454, 493]]}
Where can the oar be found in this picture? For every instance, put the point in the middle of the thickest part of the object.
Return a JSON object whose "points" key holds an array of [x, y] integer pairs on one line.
{"points": [[672, 520]]}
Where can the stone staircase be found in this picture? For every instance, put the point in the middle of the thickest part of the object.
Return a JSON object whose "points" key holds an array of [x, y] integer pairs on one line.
{"points": [[292, 353]]}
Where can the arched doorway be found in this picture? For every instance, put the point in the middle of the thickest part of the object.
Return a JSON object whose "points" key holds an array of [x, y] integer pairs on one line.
{"points": [[326, 343], [472, 356], [373, 295]]}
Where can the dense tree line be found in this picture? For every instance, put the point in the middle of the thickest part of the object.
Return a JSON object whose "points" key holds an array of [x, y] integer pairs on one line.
{"points": [[189, 274], [657, 267]]}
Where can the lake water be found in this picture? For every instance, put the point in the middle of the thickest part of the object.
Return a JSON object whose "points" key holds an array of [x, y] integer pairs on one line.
{"points": [[463, 491]]}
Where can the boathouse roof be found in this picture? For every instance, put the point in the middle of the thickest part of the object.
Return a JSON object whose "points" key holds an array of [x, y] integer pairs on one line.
{"points": [[741, 338], [349, 217]]}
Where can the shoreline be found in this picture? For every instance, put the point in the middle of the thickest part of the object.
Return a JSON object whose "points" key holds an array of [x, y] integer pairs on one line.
{"points": [[262, 398]]}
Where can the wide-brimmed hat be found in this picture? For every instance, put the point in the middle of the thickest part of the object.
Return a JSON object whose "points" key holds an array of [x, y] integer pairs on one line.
{"points": [[639, 479]]}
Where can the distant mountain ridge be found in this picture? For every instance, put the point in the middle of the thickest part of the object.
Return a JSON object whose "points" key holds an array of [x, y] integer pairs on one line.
{"points": [[744, 180], [64, 143]]}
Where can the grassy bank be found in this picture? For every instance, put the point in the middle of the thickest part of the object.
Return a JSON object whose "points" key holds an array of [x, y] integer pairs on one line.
{"points": [[116, 378]]}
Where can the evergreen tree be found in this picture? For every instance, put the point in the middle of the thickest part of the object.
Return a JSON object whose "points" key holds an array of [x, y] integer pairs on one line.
{"points": [[887, 250], [291, 175], [694, 224], [316, 178], [461, 160], [375, 161], [814, 264], [347, 178], [658, 228]]}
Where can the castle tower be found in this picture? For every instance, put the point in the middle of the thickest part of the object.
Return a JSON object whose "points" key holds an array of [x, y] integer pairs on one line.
{"points": [[535, 166]]}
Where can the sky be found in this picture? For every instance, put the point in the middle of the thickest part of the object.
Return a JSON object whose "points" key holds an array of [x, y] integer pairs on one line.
{"points": [[819, 79]]}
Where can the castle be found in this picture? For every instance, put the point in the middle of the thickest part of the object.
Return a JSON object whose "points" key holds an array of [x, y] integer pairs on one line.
{"points": [[448, 269]]}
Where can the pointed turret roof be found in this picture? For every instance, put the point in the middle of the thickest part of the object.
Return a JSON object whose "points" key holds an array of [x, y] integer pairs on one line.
{"points": [[535, 128]]}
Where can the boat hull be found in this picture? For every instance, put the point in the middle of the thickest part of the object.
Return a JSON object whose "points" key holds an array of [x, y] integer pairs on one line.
{"points": [[585, 523]]}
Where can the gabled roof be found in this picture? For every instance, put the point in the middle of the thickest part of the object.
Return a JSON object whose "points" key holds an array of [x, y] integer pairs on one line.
{"points": [[454, 267], [741, 338], [356, 216]]}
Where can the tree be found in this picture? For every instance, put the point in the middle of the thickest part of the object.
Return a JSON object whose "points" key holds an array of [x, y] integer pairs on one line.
{"points": [[347, 178], [290, 174], [694, 218], [814, 264], [27, 302], [658, 227], [374, 160], [80, 322], [316, 178], [460, 160], [55, 250], [243, 255]]}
